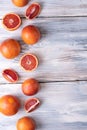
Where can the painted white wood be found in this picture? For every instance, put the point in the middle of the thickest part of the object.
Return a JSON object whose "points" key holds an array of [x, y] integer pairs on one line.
{"points": [[63, 106], [61, 51], [49, 8], [62, 54]]}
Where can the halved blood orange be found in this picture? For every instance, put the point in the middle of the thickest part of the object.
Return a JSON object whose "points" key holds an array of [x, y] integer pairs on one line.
{"points": [[31, 104], [11, 21], [10, 75], [33, 11], [29, 62]]}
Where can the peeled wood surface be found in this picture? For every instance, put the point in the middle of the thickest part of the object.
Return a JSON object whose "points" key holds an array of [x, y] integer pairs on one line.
{"points": [[50, 8], [62, 50], [63, 106], [62, 54]]}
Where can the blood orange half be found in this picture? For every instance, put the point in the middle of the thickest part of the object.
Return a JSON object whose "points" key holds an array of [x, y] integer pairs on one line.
{"points": [[29, 62], [11, 21]]}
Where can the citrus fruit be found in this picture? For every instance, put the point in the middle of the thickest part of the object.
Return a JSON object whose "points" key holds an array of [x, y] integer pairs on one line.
{"points": [[11, 21], [26, 123], [31, 104], [20, 3], [9, 105], [30, 34], [30, 87], [33, 11], [10, 75], [10, 48], [29, 62]]}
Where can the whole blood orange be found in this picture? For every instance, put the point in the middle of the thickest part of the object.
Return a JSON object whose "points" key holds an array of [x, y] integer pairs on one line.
{"points": [[20, 3], [10, 48], [11, 21], [9, 105], [26, 123], [10, 75], [30, 86], [29, 62], [30, 34], [33, 11]]}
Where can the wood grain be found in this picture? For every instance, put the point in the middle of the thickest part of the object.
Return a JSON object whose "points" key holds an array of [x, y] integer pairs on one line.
{"points": [[52, 8], [63, 106], [62, 54], [62, 50]]}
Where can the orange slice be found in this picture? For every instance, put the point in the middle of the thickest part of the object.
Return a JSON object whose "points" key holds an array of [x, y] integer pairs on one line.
{"points": [[31, 104], [33, 11], [10, 75], [29, 62], [11, 21]]}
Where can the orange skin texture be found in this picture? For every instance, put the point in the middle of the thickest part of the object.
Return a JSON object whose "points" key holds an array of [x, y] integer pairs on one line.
{"points": [[30, 34], [30, 87], [26, 123], [9, 105], [20, 3], [10, 48]]}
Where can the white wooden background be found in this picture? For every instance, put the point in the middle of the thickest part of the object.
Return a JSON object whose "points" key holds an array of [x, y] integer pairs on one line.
{"points": [[62, 70]]}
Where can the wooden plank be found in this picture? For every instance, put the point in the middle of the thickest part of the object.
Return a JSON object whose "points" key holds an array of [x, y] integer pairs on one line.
{"points": [[50, 8], [62, 50], [63, 106]]}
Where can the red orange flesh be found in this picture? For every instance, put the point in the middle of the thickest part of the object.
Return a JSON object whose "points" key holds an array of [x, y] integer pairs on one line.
{"points": [[33, 11], [10, 75], [11, 21], [31, 104], [29, 62]]}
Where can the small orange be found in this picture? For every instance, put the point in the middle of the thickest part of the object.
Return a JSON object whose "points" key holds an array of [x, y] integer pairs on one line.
{"points": [[25, 123], [30, 34], [29, 62], [10, 48], [30, 86], [20, 3], [33, 11], [11, 21], [9, 105]]}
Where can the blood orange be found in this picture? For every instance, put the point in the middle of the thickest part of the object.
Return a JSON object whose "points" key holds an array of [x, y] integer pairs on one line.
{"points": [[10, 48], [20, 3], [29, 62], [33, 11], [10, 75], [31, 104], [11, 21], [26, 123], [30, 34], [9, 105], [30, 86]]}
